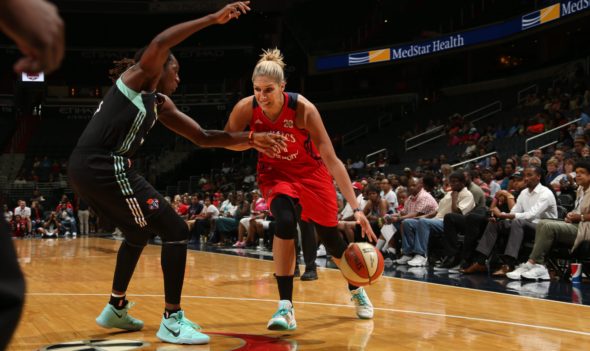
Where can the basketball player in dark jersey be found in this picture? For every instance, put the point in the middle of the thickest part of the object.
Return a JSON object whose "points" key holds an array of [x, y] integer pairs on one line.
{"points": [[101, 172], [38, 31], [300, 175]]}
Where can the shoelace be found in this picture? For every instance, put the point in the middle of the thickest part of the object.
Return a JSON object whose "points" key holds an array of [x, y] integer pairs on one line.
{"points": [[185, 321], [129, 305], [360, 297]]}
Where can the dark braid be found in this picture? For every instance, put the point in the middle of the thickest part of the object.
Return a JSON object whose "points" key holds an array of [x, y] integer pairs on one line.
{"points": [[120, 66]]}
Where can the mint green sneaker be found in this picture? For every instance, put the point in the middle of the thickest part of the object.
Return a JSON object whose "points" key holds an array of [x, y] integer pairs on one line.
{"points": [[177, 329], [110, 317], [284, 317], [364, 307]]}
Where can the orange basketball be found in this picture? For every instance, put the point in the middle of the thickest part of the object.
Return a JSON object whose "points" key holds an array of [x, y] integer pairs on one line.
{"points": [[361, 264]]}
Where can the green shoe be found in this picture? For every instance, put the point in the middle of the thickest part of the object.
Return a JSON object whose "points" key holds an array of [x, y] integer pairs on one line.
{"points": [[110, 317], [284, 317], [177, 329]]}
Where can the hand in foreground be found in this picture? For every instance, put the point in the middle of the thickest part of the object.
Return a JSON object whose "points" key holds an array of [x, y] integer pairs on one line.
{"points": [[365, 226], [269, 143], [38, 31], [230, 11]]}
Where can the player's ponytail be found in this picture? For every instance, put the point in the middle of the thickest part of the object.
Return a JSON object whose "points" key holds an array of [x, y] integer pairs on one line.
{"points": [[270, 65]]}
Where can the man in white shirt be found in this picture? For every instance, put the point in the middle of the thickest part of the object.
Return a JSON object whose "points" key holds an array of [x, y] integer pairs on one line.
{"points": [[25, 212], [533, 204]]}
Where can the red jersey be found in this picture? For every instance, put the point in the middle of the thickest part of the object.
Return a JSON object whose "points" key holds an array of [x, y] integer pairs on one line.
{"points": [[298, 171]]}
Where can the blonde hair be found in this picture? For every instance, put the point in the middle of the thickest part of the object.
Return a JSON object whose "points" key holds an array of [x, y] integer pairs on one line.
{"points": [[270, 65]]}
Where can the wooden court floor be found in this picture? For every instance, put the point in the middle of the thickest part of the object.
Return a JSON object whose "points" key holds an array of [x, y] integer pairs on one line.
{"points": [[69, 281]]}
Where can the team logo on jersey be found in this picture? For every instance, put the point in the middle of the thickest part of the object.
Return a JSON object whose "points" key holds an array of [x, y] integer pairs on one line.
{"points": [[153, 204], [288, 123]]}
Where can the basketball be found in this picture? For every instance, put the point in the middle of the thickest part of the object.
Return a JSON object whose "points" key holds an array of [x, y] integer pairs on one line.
{"points": [[362, 264]]}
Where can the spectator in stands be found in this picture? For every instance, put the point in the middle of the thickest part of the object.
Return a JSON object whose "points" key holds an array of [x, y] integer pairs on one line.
{"points": [[524, 162], [203, 222], [24, 213], [559, 155], [476, 179], [584, 118], [376, 208], [555, 232], [495, 162], [579, 144], [434, 188], [505, 178], [83, 216], [565, 183], [227, 225], [538, 153], [388, 194], [535, 203], [552, 170], [37, 196], [586, 152], [487, 175], [19, 226], [258, 210], [51, 227], [417, 231], [65, 214], [180, 207], [417, 204], [535, 161], [455, 223], [8, 214], [37, 217], [446, 171]]}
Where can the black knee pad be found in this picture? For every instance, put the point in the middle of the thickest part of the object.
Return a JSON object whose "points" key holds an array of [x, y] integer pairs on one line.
{"points": [[332, 240], [285, 214]]}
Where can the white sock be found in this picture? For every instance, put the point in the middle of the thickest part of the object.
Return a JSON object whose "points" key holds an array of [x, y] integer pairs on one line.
{"points": [[380, 244]]}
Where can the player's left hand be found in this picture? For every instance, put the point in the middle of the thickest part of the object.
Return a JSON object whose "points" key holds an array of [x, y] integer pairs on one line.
{"points": [[366, 229], [270, 144], [231, 11]]}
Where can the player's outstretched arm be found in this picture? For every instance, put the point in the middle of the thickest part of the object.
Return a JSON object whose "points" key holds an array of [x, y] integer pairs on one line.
{"points": [[183, 125], [38, 31], [157, 51]]}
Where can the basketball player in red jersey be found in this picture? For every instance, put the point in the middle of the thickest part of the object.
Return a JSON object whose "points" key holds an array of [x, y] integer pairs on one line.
{"points": [[298, 175]]}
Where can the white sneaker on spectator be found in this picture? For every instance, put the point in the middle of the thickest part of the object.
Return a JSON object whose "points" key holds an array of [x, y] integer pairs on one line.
{"points": [[404, 259], [537, 272], [523, 267], [67, 233], [418, 261], [321, 251]]}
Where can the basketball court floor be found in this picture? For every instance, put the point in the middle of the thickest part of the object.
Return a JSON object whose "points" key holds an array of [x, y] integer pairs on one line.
{"points": [[232, 294]]}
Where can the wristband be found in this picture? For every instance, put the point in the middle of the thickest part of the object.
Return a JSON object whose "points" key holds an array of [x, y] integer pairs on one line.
{"points": [[358, 209], [251, 137]]}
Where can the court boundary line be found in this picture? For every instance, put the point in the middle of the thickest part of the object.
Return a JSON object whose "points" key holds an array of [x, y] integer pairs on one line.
{"points": [[431, 314]]}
